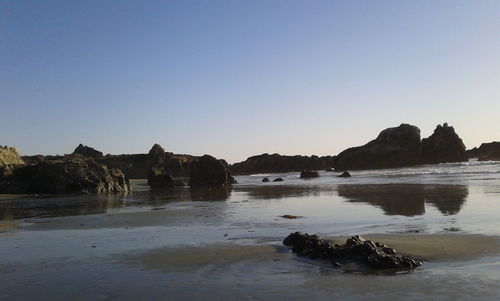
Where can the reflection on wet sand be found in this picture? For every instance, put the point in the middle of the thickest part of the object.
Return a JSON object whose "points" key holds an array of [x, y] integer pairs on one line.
{"points": [[408, 199], [283, 191], [54, 206]]}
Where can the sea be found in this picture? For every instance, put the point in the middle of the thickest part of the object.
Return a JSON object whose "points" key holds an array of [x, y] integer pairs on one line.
{"points": [[226, 244]]}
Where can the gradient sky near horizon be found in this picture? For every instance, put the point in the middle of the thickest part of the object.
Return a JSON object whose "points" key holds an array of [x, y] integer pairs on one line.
{"points": [[240, 78]]}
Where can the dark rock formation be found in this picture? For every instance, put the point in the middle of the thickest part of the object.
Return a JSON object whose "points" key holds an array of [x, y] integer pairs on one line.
{"points": [[345, 174], [265, 180], [307, 174], [329, 170], [444, 145], [160, 179], [138, 166], [208, 171], [277, 163], [486, 152], [73, 174], [179, 183], [356, 248], [394, 147], [278, 180], [87, 151]]}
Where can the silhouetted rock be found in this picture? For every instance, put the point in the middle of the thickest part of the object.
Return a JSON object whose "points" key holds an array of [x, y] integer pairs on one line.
{"points": [[265, 180], [278, 180], [394, 147], [356, 248], [307, 174], [179, 183], [444, 145], [329, 170], [486, 152], [158, 178], [73, 174], [87, 151], [345, 174], [208, 171], [277, 163]]}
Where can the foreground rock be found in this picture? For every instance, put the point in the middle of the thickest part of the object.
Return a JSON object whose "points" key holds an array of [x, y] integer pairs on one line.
{"points": [[356, 248], [444, 145], [207, 171], [73, 174], [87, 151], [486, 152], [276, 163], [308, 174]]}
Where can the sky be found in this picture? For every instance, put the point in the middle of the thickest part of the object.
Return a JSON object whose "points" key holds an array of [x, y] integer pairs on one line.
{"points": [[239, 78]]}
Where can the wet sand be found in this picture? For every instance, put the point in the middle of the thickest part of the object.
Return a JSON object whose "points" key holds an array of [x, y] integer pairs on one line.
{"points": [[431, 248]]}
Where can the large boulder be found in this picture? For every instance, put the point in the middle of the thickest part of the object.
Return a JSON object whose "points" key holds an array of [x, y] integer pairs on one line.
{"points": [[394, 147], [444, 145], [87, 151], [208, 171], [73, 174]]}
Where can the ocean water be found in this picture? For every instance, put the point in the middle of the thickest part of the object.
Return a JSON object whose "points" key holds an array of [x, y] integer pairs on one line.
{"points": [[223, 244]]}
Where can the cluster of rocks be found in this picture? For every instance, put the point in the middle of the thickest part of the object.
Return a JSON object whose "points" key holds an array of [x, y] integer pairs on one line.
{"points": [[356, 249], [266, 180], [308, 174], [401, 146]]}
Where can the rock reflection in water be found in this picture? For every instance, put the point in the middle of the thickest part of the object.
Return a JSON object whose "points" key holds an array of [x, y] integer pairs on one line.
{"points": [[283, 191], [408, 199]]}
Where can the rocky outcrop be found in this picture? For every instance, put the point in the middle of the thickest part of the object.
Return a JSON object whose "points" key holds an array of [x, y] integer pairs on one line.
{"points": [[208, 171], [308, 174], [277, 163], [444, 145], [87, 151], [10, 156], [73, 174], [486, 152], [394, 147], [356, 248], [138, 166], [9, 160]]}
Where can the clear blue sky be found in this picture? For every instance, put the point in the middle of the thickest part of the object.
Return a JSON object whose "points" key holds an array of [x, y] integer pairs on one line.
{"points": [[238, 78]]}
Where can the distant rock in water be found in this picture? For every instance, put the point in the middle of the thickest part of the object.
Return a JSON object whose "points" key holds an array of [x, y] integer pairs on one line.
{"points": [[278, 180], [401, 146], [73, 174], [87, 151], [444, 145], [277, 163], [160, 179], [208, 171], [486, 152], [394, 147], [265, 180], [308, 174], [345, 174], [356, 248]]}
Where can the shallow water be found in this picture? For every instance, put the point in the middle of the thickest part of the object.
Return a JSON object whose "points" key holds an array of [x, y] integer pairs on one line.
{"points": [[222, 245]]}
